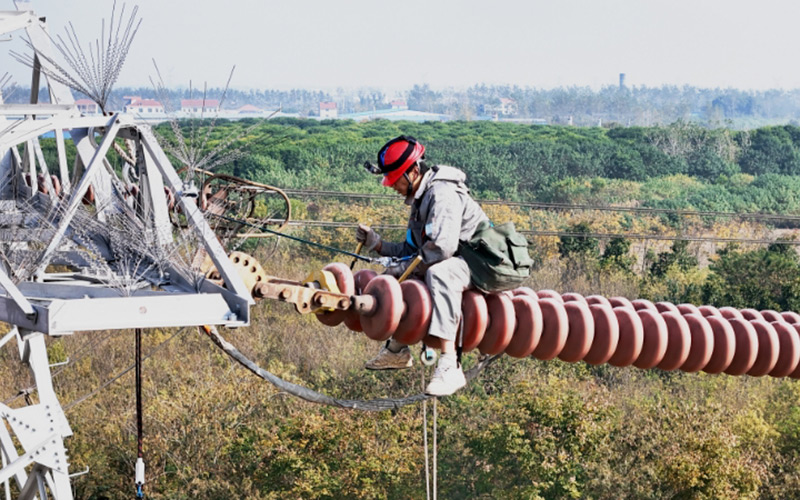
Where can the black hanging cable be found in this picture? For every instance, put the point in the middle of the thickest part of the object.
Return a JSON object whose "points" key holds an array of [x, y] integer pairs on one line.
{"points": [[312, 396], [140, 453], [294, 238]]}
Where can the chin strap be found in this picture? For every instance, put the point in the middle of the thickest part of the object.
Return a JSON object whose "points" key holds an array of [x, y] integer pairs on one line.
{"points": [[410, 187]]}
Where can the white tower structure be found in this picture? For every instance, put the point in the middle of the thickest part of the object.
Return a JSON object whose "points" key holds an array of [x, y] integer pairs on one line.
{"points": [[110, 281]]}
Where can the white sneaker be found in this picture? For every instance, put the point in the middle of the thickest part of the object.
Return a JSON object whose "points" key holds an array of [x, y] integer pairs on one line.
{"points": [[389, 360], [447, 379]]}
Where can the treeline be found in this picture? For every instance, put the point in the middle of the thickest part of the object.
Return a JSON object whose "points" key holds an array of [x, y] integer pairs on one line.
{"points": [[711, 169], [641, 105], [581, 106]]}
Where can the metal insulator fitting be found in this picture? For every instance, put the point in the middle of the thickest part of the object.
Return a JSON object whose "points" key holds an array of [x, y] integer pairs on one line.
{"points": [[428, 356]]}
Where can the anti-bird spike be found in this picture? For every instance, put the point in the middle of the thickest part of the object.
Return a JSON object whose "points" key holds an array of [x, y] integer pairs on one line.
{"points": [[92, 71]]}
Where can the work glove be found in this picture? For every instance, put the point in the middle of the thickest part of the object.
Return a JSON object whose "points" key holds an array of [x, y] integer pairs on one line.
{"points": [[367, 236], [398, 270]]}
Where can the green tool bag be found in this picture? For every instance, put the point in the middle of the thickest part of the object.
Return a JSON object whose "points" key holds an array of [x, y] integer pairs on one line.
{"points": [[497, 257]]}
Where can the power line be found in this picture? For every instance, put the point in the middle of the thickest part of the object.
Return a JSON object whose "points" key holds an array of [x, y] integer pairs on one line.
{"points": [[562, 206], [123, 372], [534, 232]]}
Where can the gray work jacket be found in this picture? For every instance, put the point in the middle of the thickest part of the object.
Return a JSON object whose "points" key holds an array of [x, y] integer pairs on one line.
{"points": [[442, 214]]}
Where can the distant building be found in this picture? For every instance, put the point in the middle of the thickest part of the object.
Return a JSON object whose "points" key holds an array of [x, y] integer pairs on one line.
{"points": [[87, 106], [144, 107], [399, 104], [622, 81], [328, 110], [249, 109], [396, 114], [507, 107], [199, 106]]}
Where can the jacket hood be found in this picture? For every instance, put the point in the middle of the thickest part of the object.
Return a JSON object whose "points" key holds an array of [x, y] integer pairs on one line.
{"points": [[445, 173], [442, 173]]}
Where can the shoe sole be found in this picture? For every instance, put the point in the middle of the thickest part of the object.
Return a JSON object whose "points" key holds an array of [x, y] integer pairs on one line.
{"points": [[443, 395]]}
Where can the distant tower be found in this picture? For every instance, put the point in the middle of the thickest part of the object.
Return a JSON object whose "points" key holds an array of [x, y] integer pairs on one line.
{"points": [[621, 81]]}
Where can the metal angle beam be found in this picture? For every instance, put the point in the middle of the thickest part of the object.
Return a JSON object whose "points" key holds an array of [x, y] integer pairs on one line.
{"points": [[40, 39], [16, 295], [195, 217], [21, 131], [67, 290], [11, 313], [11, 21], [10, 454], [113, 126], [168, 311], [26, 459], [38, 109]]}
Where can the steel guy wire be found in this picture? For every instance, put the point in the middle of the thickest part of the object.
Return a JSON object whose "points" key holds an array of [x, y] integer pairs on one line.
{"points": [[123, 372], [534, 232], [561, 206]]}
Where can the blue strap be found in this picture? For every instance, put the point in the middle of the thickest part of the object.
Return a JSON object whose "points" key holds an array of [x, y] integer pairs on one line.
{"points": [[410, 240]]}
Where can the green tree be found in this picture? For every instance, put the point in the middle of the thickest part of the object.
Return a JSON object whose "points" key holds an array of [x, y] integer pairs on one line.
{"points": [[767, 278], [579, 243]]}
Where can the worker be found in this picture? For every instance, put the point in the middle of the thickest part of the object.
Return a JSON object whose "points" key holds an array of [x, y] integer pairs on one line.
{"points": [[442, 214]]}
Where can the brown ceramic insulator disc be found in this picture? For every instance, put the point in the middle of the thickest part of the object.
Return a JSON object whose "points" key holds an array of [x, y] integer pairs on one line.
{"points": [[170, 198], [88, 197], [524, 290], [631, 337], [751, 314], [501, 324], [788, 349], [767, 356], [344, 281], [549, 294], [643, 304], [702, 343], [475, 316], [555, 327], [382, 323], [655, 339], [417, 312], [688, 309], [56, 185], [730, 312], [791, 317], [573, 297], [796, 372], [598, 299], [352, 319], [528, 329], [679, 340], [620, 302], [771, 315], [746, 347], [709, 311], [606, 334], [667, 307], [724, 345], [580, 334]]}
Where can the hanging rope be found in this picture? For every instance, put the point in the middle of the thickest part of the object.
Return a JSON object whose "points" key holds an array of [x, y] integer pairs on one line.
{"points": [[139, 473], [312, 396], [435, 416], [425, 440]]}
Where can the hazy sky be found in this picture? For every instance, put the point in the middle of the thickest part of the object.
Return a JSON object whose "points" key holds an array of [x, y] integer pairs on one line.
{"points": [[327, 44]]}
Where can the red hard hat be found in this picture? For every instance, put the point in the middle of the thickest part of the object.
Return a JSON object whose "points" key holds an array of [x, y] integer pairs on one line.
{"points": [[397, 156]]}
